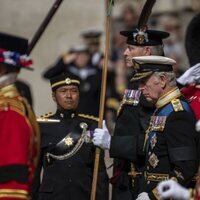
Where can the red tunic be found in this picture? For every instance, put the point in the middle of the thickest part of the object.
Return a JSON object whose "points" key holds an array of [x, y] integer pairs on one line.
{"points": [[19, 145], [192, 94]]}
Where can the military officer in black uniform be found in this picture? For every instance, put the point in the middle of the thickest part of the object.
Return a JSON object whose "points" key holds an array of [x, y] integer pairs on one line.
{"points": [[133, 119], [67, 153], [170, 140], [90, 76]]}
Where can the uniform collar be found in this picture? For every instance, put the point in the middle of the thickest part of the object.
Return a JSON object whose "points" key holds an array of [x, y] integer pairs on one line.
{"points": [[168, 97], [9, 91], [66, 114]]}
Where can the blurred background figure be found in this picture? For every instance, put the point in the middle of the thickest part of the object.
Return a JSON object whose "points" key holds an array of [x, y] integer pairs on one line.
{"points": [[92, 38], [78, 63]]}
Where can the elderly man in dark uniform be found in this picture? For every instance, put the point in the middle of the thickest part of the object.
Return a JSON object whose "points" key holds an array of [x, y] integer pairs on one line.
{"points": [[67, 153], [170, 141], [19, 132], [132, 121]]}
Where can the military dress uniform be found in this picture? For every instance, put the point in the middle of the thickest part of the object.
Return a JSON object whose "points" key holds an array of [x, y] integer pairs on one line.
{"points": [[170, 141], [133, 119], [19, 135], [67, 158], [170, 144], [19, 132]]}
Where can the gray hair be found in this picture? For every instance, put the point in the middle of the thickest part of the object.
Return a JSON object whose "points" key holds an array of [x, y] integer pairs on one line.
{"points": [[157, 50], [170, 77]]}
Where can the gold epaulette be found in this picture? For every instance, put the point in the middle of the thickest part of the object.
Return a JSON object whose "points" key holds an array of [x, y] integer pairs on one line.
{"points": [[15, 104], [89, 117], [45, 118], [13, 193], [112, 103], [177, 106]]}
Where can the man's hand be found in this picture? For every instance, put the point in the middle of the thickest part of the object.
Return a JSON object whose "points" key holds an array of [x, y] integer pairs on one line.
{"points": [[101, 137], [143, 196], [171, 189]]}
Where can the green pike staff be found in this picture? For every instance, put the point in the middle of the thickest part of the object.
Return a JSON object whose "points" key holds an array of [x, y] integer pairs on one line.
{"points": [[110, 3]]}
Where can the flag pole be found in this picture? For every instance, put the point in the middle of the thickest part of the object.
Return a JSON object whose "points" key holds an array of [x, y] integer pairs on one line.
{"points": [[43, 25], [109, 4]]}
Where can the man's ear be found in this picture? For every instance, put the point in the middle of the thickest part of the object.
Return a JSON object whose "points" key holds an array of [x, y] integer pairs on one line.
{"points": [[147, 51], [163, 81], [53, 96]]}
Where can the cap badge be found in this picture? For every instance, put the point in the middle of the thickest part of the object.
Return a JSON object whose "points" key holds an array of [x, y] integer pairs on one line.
{"points": [[67, 81], [140, 37]]}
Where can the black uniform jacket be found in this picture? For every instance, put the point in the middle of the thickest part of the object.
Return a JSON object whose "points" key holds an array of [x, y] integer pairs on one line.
{"points": [[170, 143], [127, 143], [69, 178]]}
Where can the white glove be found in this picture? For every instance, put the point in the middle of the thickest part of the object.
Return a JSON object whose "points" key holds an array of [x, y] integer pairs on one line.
{"points": [[198, 126], [143, 196], [101, 137], [171, 189], [192, 75]]}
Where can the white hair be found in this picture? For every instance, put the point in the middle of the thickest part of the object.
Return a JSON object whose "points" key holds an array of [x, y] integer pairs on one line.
{"points": [[170, 77]]}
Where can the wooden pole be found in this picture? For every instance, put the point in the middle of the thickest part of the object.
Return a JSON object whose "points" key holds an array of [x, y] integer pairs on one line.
{"points": [[43, 25], [102, 103]]}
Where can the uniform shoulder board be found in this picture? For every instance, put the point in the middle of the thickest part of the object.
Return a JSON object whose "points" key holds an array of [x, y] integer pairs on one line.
{"points": [[13, 104], [177, 106], [45, 118], [89, 117], [112, 103]]}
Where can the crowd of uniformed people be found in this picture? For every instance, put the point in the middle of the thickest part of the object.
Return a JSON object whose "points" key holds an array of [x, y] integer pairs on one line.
{"points": [[151, 126]]}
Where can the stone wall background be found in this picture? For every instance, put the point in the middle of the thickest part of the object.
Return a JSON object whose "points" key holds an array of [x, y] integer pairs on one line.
{"points": [[23, 17]]}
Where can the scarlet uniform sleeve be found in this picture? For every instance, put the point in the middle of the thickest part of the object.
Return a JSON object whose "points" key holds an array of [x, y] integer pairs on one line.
{"points": [[15, 134], [192, 94]]}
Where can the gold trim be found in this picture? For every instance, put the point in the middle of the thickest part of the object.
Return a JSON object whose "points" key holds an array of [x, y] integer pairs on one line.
{"points": [[112, 103], [168, 97], [156, 177], [138, 76], [89, 117], [174, 179], [14, 191], [9, 91], [16, 196], [155, 193], [43, 119], [67, 81]]}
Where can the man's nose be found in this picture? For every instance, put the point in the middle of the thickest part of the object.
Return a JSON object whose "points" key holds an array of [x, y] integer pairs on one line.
{"points": [[141, 86], [68, 94], [126, 52]]}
